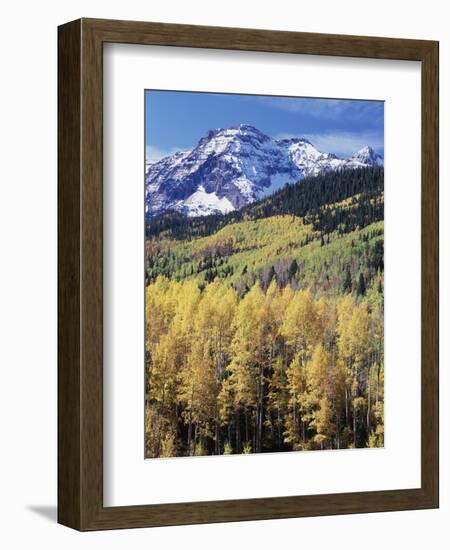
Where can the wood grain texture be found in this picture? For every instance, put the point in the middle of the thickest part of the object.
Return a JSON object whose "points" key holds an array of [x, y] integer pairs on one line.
{"points": [[80, 317], [430, 273], [69, 247]]}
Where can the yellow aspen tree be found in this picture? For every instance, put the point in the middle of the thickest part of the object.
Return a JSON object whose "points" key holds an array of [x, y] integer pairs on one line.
{"points": [[244, 369], [295, 433]]}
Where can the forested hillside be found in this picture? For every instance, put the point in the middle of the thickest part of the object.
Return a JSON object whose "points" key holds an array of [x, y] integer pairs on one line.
{"points": [[306, 197], [265, 325]]}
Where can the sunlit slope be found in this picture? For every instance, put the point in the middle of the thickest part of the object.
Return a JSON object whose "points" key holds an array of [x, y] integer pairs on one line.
{"points": [[284, 247]]}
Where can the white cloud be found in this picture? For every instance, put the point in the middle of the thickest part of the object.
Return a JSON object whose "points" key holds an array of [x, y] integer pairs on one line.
{"points": [[152, 154], [327, 109]]}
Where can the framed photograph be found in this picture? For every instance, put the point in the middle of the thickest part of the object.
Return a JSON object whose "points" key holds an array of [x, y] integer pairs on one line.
{"points": [[248, 274]]}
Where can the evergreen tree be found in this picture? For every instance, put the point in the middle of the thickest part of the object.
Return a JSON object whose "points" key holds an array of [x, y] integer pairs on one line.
{"points": [[293, 268], [347, 285], [361, 285], [272, 276]]}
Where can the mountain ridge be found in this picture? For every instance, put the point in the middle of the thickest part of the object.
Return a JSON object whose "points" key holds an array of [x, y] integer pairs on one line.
{"points": [[233, 167]]}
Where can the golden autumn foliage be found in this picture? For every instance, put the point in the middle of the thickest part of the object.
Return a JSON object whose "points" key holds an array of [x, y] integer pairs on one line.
{"points": [[273, 370]]}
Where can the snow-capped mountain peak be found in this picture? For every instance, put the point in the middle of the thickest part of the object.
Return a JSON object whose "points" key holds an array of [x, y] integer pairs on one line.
{"points": [[232, 167], [367, 157]]}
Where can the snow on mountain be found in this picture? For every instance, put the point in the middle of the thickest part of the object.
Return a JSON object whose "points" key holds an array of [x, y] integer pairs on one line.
{"points": [[308, 159], [366, 157], [201, 203], [232, 167]]}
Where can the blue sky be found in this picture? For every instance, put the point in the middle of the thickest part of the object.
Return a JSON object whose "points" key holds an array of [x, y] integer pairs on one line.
{"points": [[178, 120]]}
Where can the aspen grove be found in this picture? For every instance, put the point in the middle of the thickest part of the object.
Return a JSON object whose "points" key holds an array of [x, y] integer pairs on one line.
{"points": [[265, 330]]}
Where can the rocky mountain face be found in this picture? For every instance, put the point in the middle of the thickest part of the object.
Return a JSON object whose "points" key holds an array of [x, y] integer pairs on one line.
{"points": [[232, 167]]}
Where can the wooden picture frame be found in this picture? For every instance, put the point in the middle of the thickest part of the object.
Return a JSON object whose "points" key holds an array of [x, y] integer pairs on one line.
{"points": [[80, 272]]}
